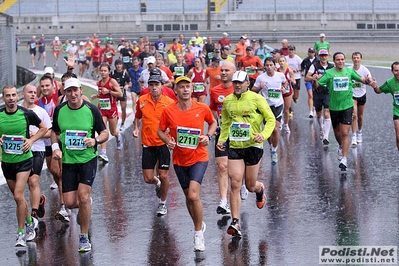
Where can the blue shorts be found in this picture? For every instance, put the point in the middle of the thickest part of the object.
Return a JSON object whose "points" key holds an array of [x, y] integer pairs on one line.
{"points": [[186, 174], [308, 85]]}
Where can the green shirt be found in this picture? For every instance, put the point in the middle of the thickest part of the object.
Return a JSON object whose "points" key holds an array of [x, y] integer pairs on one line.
{"points": [[392, 86], [321, 46], [74, 125], [243, 117], [339, 85], [14, 127], [64, 48]]}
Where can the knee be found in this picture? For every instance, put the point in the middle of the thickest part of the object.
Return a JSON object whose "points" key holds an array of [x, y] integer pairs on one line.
{"points": [[235, 184], [222, 167], [163, 177], [192, 197], [33, 182], [19, 198], [114, 132]]}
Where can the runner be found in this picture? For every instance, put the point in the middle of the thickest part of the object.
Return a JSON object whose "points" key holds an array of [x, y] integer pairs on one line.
{"points": [[122, 77], [149, 108], [305, 65], [212, 74], [339, 83], [321, 97], [322, 44], [180, 68], [197, 76], [42, 50], [185, 120], [217, 96], [272, 85], [108, 92], [79, 152], [81, 57], [109, 53], [165, 90], [242, 115], [294, 62], [391, 86], [56, 47], [17, 157], [37, 200], [251, 64], [134, 74], [359, 99], [64, 49], [287, 97], [31, 45], [239, 50], [96, 55], [88, 47]]}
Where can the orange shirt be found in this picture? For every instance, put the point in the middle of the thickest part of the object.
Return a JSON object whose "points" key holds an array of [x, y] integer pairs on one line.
{"points": [[248, 61], [186, 127], [217, 96], [150, 113], [88, 47], [211, 72], [240, 48]]}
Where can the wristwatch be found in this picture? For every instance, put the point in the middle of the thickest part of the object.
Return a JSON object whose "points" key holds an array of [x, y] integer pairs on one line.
{"points": [[209, 136]]}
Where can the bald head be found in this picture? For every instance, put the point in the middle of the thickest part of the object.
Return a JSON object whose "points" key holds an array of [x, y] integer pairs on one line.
{"points": [[28, 87], [284, 43], [30, 95], [227, 71]]}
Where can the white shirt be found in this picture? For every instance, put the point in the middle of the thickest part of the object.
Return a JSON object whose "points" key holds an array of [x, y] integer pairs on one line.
{"points": [[145, 75], [272, 90], [295, 65], [359, 89], [40, 144]]}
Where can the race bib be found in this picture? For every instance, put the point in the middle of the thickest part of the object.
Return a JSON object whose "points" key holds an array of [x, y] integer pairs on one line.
{"points": [[179, 71], [82, 55], [356, 85], [274, 93], [250, 71], [56, 48], [188, 137], [396, 97], [74, 139], [199, 87], [108, 55], [341, 84], [239, 131], [210, 55], [32, 45], [104, 103], [126, 59], [13, 144]]}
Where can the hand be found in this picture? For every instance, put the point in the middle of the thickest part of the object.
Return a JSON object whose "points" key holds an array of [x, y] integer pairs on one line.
{"points": [[258, 138], [71, 60], [93, 96], [27, 145], [104, 91], [57, 154], [90, 142], [204, 140], [221, 146], [171, 144], [135, 133]]}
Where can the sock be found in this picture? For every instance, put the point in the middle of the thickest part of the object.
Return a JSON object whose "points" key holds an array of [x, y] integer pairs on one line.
{"points": [[320, 121], [359, 131], [234, 221], [274, 148], [84, 235], [162, 202], [199, 232], [159, 182], [20, 230], [223, 200], [327, 127], [29, 220]]}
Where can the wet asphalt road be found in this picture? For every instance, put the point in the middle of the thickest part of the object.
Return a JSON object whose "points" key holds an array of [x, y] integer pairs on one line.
{"points": [[309, 204]]}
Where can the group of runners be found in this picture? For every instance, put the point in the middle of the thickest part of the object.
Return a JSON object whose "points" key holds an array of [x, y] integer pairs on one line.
{"points": [[247, 106]]}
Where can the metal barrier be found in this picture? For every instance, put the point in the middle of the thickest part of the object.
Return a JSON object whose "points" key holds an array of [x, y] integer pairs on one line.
{"points": [[8, 68]]}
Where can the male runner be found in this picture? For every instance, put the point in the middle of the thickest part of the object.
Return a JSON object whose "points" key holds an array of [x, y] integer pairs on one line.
{"points": [[122, 77]]}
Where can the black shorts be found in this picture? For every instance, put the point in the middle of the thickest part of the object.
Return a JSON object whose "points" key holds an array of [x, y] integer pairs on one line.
{"points": [[278, 111], [123, 98], [32, 51], [251, 155], [96, 64], [10, 170], [82, 62], [251, 83], [321, 100], [219, 153], [38, 160], [341, 117], [186, 174], [49, 151], [297, 85], [360, 100], [395, 117], [154, 154], [74, 174], [88, 58]]}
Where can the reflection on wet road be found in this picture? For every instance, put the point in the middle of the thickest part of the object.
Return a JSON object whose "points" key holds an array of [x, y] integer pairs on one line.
{"points": [[309, 204]]}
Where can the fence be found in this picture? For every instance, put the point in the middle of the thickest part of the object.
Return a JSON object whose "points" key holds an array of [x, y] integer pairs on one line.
{"points": [[8, 69]]}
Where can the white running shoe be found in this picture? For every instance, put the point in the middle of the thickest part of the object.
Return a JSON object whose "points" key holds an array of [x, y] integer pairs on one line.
{"points": [[62, 214], [53, 185], [339, 153], [311, 114], [359, 137], [354, 141], [20, 241], [244, 192], [199, 239], [286, 128]]}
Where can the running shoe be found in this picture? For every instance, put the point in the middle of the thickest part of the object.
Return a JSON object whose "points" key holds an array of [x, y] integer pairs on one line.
{"points": [[54, 185], [359, 137], [223, 208], [30, 230], [326, 142], [291, 112], [244, 192], [310, 114], [41, 211], [62, 214], [286, 128], [274, 157], [118, 143], [35, 223], [84, 243], [339, 153], [295, 100], [199, 239], [234, 229], [162, 209], [354, 140], [260, 199], [122, 127], [343, 164], [158, 189], [21, 240], [103, 157]]}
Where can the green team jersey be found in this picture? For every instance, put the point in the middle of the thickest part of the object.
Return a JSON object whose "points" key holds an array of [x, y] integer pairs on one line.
{"points": [[64, 48], [392, 86], [339, 85], [321, 46], [243, 117], [74, 125], [14, 128]]}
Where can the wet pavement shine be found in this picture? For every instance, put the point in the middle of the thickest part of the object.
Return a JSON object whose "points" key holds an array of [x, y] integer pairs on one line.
{"points": [[309, 204]]}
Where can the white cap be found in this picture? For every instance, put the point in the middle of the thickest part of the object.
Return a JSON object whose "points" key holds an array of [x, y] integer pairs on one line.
{"points": [[49, 70], [73, 42], [56, 38], [81, 43], [151, 60], [72, 82], [240, 76], [225, 34], [322, 35], [193, 39]]}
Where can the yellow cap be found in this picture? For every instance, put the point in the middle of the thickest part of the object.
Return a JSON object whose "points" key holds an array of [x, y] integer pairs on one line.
{"points": [[182, 78]]}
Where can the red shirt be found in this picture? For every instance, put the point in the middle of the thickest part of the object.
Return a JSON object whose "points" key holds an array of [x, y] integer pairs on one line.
{"points": [[96, 54]]}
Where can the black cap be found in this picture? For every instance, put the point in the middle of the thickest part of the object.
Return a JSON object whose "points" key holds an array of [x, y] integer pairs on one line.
{"points": [[155, 72], [215, 59], [249, 48], [155, 78], [291, 47], [118, 61], [275, 51], [226, 47], [260, 40], [311, 50]]}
